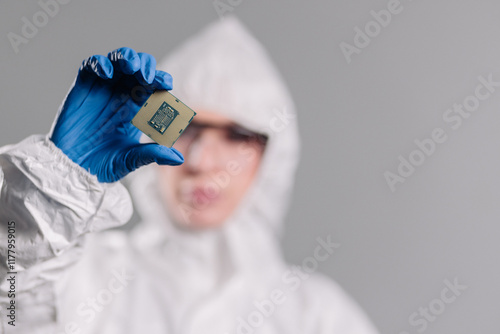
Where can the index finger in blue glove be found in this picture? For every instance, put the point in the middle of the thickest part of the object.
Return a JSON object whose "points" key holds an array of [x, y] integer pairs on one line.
{"points": [[162, 81], [125, 60]]}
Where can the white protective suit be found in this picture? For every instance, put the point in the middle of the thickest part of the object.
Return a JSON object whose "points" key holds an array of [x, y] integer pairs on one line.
{"points": [[159, 278]]}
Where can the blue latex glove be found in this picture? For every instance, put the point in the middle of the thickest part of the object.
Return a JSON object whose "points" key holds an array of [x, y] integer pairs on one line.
{"points": [[93, 126]]}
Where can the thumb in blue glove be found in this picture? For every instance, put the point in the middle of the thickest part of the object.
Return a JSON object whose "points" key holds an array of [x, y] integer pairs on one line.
{"points": [[93, 125]]}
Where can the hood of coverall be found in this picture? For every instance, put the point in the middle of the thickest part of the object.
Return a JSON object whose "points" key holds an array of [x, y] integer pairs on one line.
{"points": [[225, 69]]}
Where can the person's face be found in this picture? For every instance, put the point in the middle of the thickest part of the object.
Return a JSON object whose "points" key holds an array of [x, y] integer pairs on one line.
{"points": [[221, 160]]}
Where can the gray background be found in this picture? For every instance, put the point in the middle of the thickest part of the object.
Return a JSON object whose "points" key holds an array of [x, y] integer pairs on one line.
{"points": [[396, 247]]}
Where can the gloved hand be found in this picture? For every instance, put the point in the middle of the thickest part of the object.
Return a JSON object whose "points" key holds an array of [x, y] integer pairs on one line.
{"points": [[93, 125]]}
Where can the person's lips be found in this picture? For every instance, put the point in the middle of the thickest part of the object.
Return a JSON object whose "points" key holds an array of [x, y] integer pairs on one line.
{"points": [[199, 193]]}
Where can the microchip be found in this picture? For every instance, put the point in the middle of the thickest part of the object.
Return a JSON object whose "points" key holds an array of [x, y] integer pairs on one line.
{"points": [[163, 118]]}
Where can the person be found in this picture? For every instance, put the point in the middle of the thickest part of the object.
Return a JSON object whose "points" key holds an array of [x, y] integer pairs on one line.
{"points": [[205, 257]]}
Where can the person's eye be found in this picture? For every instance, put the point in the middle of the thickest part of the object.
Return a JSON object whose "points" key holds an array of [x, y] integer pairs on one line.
{"points": [[239, 134], [192, 130]]}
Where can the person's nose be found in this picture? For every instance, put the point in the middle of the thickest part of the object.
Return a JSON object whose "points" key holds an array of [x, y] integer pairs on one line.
{"points": [[204, 153]]}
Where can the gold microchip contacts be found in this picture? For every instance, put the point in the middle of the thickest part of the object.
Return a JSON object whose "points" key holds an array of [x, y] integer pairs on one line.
{"points": [[163, 118]]}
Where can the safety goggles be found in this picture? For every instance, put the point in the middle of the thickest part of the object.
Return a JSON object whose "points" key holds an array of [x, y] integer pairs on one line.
{"points": [[232, 133]]}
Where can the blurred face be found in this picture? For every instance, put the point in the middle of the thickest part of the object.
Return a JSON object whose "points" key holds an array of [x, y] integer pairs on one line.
{"points": [[221, 160]]}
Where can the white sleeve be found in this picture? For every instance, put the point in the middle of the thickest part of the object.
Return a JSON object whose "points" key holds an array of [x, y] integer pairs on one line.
{"points": [[49, 203]]}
